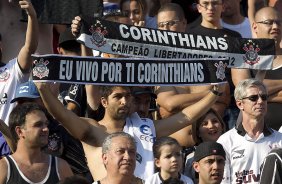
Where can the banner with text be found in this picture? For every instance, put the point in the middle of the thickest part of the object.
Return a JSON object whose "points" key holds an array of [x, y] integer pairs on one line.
{"points": [[128, 71], [122, 39]]}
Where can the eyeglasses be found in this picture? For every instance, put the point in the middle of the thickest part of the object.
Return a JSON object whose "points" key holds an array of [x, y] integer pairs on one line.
{"points": [[254, 98], [214, 4], [168, 23], [270, 22]]}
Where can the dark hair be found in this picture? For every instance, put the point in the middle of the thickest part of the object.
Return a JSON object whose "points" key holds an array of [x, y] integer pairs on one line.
{"points": [[18, 116], [141, 3], [161, 142], [108, 90], [71, 46], [173, 7], [197, 124]]}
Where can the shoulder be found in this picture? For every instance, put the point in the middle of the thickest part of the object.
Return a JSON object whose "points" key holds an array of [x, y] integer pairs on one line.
{"points": [[227, 138], [63, 168], [4, 170]]}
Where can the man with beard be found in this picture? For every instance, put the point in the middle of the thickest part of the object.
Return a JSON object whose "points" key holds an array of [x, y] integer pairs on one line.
{"points": [[28, 125], [117, 101], [209, 162]]}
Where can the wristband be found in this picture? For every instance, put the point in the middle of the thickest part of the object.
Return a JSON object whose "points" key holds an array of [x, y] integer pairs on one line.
{"points": [[216, 92]]}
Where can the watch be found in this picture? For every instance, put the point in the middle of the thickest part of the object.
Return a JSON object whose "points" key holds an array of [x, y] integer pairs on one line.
{"points": [[216, 92]]}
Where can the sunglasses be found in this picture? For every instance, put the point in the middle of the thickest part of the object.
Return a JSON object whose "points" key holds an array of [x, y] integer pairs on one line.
{"points": [[168, 23], [254, 98]]}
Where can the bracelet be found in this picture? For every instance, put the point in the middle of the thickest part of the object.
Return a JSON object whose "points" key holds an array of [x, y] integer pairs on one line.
{"points": [[216, 92]]}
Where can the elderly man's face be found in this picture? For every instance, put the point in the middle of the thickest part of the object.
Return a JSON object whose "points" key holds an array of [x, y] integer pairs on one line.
{"points": [[254, 104], [121, 158]]}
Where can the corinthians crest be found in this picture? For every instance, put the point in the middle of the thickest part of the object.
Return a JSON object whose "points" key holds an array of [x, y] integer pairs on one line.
{"points": [[251, 55], [220, 70], [4, 75], [40, 70], [98, 32]]}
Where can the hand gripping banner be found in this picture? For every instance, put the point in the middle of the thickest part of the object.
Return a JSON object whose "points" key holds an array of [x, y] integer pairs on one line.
{"points": [[122, 39], [128, 71]]}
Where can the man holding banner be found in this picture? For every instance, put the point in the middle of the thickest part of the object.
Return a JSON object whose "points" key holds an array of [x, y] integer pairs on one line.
{"points": [[117, 102], [173, 99], [268, 25]]}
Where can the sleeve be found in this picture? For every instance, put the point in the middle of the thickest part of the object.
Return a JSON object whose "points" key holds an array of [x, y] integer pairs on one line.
{"points": [[227, 172], [271, 169]]}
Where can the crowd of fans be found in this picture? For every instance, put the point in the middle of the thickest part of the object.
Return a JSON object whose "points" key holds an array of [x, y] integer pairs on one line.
{"points": [[74, 133]]}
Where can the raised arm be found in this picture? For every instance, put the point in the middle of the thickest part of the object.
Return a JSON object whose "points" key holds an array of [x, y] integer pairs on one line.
{"points": [[188, 115], [86, 130], [31, 39]]}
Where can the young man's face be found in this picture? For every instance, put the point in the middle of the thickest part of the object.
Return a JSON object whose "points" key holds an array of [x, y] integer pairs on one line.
{"points": [[35, 131], [121, 158], [118, 103], [211, 10], [210, 169]]}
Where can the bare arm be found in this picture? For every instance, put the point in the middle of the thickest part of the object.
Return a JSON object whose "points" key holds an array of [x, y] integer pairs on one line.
{"points": [[239, 75], [277, 97], [86, 130], [92, 91], [4, 129], [64, 169], [253, 6], [172, 101], [31, 40], [3, 171], [273, 86], [187, 116]]}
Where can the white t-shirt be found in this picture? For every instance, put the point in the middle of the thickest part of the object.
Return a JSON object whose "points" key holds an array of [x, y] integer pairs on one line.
{"points": [[10, 77], [244, 28], [143, 131], [156, 179], [244, 155]]}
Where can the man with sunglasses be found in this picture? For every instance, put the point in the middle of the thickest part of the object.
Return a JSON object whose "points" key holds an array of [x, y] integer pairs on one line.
{"points": [[268, 22], [247, 144]]}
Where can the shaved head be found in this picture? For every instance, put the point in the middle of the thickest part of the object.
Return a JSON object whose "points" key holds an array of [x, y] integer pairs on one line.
{"points": [[264, 12]]}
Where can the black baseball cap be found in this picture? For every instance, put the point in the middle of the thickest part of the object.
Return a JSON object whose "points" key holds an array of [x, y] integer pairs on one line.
{"points": [[208, 148]]}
